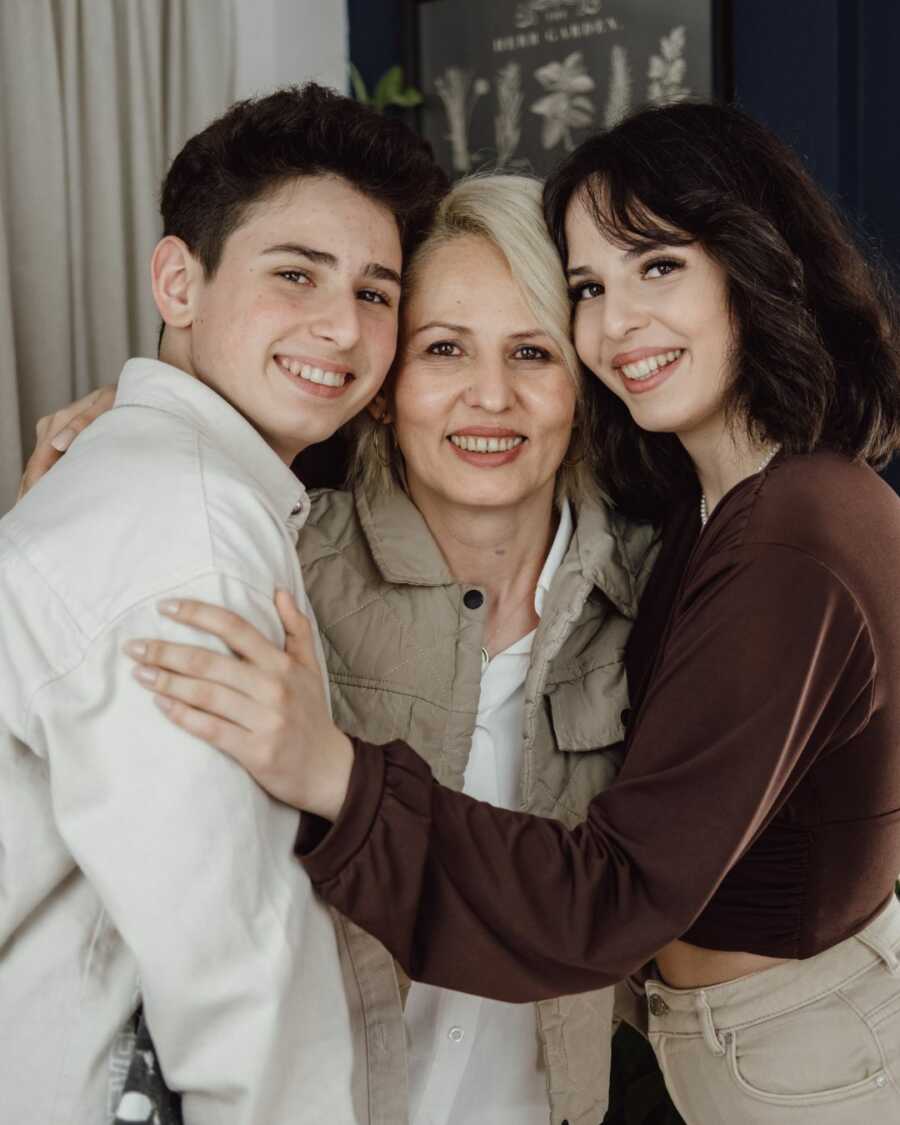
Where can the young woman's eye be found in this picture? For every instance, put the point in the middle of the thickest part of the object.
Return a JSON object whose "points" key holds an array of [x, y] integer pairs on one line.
{"points": [[531, 352], [585, 292], [662, 267], [445, 348], [296, 277], [374, 297]]}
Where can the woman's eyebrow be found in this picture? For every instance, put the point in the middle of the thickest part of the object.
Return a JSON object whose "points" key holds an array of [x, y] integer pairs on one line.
{"points": [[458, 329]]}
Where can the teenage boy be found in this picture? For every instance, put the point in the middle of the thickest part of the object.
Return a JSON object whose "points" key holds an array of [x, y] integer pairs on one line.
{"points": [[136, 864]]}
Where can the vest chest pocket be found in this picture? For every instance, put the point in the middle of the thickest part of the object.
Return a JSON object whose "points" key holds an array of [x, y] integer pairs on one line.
{"points": [[589, 710]]}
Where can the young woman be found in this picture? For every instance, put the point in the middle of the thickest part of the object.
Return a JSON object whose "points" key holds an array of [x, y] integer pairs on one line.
{"points": [[747, 371], [474, 595]]}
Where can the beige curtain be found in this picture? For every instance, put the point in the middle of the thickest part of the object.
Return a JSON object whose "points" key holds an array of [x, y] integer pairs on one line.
{"points": [[96, 97]]}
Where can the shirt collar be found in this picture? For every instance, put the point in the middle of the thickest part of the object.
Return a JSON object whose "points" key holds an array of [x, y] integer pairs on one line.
{"points": [[151, 383], [555, 556]]}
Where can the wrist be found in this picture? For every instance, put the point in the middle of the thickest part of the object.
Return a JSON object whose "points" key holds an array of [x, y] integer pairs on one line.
{"points": [[331, 777]]}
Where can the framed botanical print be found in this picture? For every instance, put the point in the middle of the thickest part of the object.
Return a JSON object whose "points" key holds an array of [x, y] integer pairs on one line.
{"points": [[516, 84]]}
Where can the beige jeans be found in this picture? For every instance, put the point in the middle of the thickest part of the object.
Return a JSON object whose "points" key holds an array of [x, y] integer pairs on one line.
{"points": [[814, 1042]]}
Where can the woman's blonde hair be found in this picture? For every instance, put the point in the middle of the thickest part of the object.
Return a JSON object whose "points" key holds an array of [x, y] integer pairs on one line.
{"points": [[505, 211]]}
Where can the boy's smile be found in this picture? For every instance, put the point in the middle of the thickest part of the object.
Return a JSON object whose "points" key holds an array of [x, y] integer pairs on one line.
{"points": [[298, 325]]}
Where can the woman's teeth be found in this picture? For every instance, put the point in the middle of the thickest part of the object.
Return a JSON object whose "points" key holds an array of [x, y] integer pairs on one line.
{"points": [[485, 444], [314, 374], [644, 368]]}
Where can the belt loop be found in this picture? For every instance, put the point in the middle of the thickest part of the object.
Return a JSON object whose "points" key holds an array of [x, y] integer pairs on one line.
{"points": [[710, 1035], [882, 950]]}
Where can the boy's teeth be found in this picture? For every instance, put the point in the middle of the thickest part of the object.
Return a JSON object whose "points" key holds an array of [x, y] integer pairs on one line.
{"points": [[315, 374], [644, 368], [485, 444]]}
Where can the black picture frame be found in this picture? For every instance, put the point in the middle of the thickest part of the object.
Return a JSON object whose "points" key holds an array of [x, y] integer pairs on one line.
{"points": [[514, 84]]}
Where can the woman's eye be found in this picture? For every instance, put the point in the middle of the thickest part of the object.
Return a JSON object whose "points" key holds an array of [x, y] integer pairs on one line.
{"points": [[374, 297], [585, 292], [662, 267], [532, 352], [296, 277], [444, 348]]}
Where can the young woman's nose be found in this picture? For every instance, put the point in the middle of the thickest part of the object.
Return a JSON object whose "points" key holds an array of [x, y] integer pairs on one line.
{"points": [[623, 312]]}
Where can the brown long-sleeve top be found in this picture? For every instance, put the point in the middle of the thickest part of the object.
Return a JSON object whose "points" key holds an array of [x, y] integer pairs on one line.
{"points": [[758, 808]]}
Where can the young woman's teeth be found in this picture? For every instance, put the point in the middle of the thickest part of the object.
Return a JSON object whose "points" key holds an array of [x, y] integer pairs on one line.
{"points": [[644, 368], [485, 444], [315, 374]]}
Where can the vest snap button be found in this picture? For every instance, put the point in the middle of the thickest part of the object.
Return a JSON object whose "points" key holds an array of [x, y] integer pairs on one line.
{"points": [[658, 1006], [473, 599]]}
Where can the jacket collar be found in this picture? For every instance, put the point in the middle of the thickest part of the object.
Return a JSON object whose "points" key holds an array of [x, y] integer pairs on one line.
{"points": [[149, 382], [610, 551], [406, 553], [404, 549]]}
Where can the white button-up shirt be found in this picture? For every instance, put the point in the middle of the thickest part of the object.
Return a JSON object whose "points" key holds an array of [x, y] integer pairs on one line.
{"points": [[474, 1061], [133, 858]]}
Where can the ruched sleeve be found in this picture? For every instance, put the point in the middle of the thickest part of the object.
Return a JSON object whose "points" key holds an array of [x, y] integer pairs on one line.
{"points": [[766, 664]]}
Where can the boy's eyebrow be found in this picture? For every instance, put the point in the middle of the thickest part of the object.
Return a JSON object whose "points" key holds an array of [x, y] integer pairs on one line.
{"points": [[324, 258]]}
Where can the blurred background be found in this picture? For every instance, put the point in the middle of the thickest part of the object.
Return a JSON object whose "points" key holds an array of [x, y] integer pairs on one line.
{"points": [[96, 97]]}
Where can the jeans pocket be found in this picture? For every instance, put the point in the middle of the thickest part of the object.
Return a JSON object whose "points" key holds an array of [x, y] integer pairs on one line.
{"points": [[818, 1053]]}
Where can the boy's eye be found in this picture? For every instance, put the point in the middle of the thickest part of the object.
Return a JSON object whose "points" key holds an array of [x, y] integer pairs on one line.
{"points": [[297, 277], [585, 292], [444, 348], [662, 267], [374, 297]]}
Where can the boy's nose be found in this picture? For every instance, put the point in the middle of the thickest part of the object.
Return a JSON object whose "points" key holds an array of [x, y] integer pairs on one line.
{"points": [[338, 322]]}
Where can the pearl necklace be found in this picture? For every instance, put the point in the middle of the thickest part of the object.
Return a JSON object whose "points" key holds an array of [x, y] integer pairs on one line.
{"points": [[704, 511]]}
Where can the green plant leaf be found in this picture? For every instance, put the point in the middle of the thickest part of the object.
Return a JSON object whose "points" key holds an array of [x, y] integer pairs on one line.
{"points": [[408, 98], [390, 85], [359, 87]]}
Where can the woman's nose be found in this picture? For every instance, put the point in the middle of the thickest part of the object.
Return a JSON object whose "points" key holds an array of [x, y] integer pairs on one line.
{"points": [[491, 387]]}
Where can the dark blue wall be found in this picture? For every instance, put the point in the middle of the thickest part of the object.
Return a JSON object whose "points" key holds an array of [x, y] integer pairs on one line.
{"points": [[823, 74]]}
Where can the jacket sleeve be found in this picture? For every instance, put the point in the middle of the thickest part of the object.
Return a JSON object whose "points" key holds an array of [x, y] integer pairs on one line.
{"points": [[767, 662], [237, 961]]}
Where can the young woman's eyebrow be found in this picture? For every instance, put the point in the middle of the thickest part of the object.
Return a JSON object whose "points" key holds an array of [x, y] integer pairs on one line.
{"points": [[375, 270], [628, 256]]}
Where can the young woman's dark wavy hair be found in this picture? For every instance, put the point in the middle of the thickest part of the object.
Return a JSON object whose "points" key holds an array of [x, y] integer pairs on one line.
{"points": [[817, 358]]}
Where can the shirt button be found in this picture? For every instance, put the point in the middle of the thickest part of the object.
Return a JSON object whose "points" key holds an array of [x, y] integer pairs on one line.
{"points": [[456, 1035], [473, 599], [658, 1006], [880, 1081], [297, 508], [625, 716]]}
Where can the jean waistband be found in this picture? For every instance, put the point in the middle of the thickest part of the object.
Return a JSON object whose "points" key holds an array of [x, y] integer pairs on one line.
{"points": [[771, 992]]}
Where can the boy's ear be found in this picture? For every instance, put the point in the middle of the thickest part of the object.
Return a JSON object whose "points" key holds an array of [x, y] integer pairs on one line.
{"points": [[379, 409], [175, 275]]}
